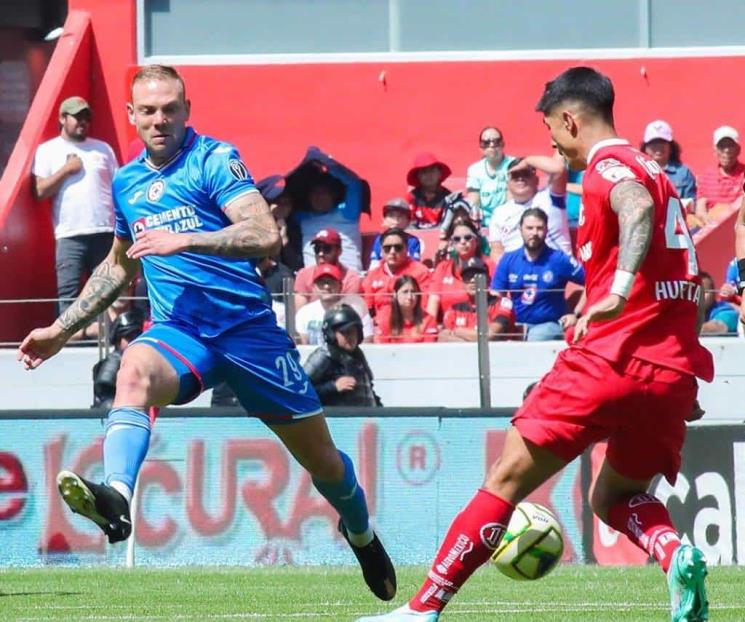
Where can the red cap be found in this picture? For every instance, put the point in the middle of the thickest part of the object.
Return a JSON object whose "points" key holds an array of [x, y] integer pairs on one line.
{"points": [[327, 269], [327, 236], [425, 160]]}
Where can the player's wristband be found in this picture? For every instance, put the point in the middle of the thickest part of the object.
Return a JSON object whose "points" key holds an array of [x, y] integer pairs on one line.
{"points": [[741, 274], [622, 282]]}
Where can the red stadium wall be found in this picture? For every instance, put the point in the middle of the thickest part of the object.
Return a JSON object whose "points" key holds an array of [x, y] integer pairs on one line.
{"points": [[372, 116]]}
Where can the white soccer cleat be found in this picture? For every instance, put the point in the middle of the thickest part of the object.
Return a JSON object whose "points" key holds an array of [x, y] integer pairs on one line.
{"points": [[403, 614]]}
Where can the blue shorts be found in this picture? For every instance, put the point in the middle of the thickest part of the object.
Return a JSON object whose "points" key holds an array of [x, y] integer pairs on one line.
{"points": [[257, 359]]}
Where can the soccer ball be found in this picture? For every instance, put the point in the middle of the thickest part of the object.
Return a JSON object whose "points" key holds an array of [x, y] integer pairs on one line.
{"points": [[532, 545]]}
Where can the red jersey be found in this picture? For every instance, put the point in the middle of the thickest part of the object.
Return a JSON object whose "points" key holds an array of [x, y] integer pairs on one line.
{"points": [[426, 213], [463, 314], [377, 287], [426, 332], [448, 284], [658, 324]]}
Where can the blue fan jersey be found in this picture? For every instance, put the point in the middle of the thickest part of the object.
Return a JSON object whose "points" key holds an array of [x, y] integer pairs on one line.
{"points": [[208, 294], [537, 286]]}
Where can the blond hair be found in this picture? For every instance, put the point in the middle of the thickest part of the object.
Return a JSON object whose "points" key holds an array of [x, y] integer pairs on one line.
{"points": [[159, 72]]}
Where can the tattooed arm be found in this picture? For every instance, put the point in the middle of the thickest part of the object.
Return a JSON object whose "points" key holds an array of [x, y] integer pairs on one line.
{"points": [[103, 287], [635, 209], [254, 233]]}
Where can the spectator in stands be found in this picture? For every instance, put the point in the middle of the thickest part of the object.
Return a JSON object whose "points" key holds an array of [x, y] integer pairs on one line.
{"points": [[396, 215], [327, 248], [404, 320], [723, 182], [76, 171], [504, 229], [659, 145], [327, 288], [377, 286], [427, 194], [447, 287], [574, 197], [333, 204], [125, 329], [728, 291], [460, 322], [272, 188], [720, 316], [338, 369], [535, 277], [486, 180]]}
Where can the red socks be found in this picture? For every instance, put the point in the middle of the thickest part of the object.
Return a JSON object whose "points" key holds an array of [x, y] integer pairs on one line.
{"points": [[470, 541], [647, 524]]}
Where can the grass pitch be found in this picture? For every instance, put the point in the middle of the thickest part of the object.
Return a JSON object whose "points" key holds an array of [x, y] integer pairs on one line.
{"points": [[571, 593]]}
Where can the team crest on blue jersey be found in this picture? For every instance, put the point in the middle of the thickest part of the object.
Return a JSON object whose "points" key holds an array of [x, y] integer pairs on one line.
{"points": [[155, 191], [548, 276], [238, 169]]}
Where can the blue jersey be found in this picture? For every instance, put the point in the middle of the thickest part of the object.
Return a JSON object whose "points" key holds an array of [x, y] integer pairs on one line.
{"points": [[188, 193], [529, 281]]}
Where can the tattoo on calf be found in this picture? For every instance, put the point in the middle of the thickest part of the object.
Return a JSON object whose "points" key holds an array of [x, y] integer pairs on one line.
{"points": [[635, 208]]}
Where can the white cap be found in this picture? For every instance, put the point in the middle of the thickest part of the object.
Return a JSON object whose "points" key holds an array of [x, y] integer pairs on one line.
{"points": [[658, 130], [726, 131]]}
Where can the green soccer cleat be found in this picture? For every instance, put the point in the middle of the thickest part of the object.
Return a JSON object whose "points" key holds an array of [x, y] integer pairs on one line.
{"points": [[403, 614], [685, 580]]}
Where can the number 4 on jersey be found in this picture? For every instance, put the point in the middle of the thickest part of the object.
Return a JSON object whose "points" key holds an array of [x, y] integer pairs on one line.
{"points": [[677, 235]]}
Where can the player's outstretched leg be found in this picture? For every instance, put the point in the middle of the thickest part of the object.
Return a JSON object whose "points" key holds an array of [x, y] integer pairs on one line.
{"points": [[124, 448], [476, 531], [348, 498], [333, 475], [685, 581]]}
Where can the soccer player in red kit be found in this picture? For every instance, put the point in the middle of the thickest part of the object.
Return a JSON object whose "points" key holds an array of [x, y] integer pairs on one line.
{"points": [[628, 378]]}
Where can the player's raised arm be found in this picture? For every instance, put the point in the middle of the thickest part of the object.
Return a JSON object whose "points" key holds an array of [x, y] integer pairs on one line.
{"points": [[111, 276]]}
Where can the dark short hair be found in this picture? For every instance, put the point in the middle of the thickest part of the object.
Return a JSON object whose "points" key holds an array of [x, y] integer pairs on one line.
{"points": [[584, 85], [394, 231], [535, 212]]}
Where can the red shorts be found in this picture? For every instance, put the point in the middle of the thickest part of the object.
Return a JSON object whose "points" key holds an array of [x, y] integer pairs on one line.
{"points": [[639, 407]]}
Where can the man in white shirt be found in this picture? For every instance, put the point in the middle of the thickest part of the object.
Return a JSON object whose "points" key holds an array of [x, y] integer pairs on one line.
{"points": [[75, 171], [327, 286], [522, 182]]}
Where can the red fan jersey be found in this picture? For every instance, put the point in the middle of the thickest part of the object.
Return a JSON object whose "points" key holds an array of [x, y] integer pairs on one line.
{"points": [[658, 323]]}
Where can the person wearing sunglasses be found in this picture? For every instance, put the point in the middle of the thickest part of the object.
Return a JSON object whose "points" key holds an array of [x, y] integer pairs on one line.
{"points": [[523, 181], [447, 286], [377, 286], [486, 180], [327, 249], [396, 213]]}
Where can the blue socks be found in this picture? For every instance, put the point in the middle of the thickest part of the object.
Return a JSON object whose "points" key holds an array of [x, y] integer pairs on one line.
{"points": [[124, 448], [347, 498]]}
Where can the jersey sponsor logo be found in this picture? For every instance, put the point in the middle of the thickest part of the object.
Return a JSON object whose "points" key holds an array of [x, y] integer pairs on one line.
{"points": [[581, 217], [606, 164], [155, 191], [462, 547], [135, 197], [491, 534], [585, 251], [237, 169], [617, 173], [176, 220], [223, 149], [528, 295], [677, 290]]}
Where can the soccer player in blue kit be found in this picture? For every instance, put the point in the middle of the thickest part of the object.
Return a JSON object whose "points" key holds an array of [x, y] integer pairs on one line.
{"points": [[188, 211]]}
